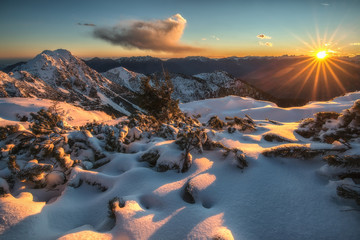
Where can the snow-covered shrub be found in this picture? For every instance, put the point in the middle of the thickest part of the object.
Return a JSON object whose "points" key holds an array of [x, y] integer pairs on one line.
{"points": [[45, 122], [167, 131], [7, 130], [113, 204], [348, 161], [239, 157], [271, 137], [150, 157], [215, 123], [246, 124], [35, 173], [292, 151], [331, 126], [187, 140], [349, 192], [4, 187], [347, 166]]}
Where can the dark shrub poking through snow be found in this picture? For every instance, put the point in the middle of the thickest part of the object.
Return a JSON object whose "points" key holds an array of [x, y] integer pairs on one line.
{"points": [[215, 123], [188, 193], [113, 204], [7, 130], [188, 140], [293, 151], [45, 122], [331, 126], [344, 162], [271, 137], [349, 192], [150, 157], [350, 168], [246, 124], [157, 101]]}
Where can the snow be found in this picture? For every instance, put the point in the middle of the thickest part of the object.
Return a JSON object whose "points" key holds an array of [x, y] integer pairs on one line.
{"points": [[75, 116], [239, 106], [124, 77], [111, 103], [274, 198]]}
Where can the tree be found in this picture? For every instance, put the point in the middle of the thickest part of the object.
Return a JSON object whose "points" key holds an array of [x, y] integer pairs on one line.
{"points": [[156, 100]]}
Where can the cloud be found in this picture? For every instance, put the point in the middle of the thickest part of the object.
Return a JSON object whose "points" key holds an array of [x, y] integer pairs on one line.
{"points": [[268, 44], [204, 39], [263, 36], [215, 37], [87, 24], [325, 4], [355, 44], [157, 35]]}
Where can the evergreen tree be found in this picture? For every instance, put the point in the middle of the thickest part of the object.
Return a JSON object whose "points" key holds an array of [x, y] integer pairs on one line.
{"points": [[156, 100]]}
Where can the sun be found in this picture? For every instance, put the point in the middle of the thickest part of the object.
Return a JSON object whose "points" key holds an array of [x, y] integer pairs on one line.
{"points": [[321, 54]]}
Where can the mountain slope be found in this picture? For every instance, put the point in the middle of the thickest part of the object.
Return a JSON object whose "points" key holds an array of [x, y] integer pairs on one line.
{"points": [[61, 76], [189, 88]]}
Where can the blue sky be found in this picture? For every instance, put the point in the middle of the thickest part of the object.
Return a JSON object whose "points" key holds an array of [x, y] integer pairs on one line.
{"points": [[213, 28]]}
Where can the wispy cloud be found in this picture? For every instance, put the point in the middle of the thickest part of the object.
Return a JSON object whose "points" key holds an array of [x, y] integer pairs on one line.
{"points": [[215, 37], [355, 44], [204, 39], [87, 24], [268, 44], [263, 36], [157, 35], [325, 4]]}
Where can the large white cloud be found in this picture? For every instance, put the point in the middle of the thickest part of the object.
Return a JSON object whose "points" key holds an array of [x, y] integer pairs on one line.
{"points": [[157, 35]]}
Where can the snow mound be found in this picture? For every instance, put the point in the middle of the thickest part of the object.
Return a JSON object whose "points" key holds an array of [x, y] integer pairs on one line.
{"points": [[239, 106], [76, 116], [124, 195]]}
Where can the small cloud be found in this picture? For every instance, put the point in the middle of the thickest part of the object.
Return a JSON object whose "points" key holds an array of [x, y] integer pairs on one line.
{"points": [[355, 44], [325, 4], [87, 24], [215, 37], [203, 39], [263, 36], [156, 35], [268, 44]]}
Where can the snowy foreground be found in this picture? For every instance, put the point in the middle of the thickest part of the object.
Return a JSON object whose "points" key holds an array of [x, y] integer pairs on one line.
{"points": [[273, 198]]}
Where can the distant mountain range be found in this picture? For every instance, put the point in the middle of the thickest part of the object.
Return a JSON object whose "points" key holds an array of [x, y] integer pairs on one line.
{"points": [[58, 75], [286, 80]]}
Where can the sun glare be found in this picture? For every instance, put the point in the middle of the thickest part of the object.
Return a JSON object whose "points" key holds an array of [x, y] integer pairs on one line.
{"points": [[321, 55]]}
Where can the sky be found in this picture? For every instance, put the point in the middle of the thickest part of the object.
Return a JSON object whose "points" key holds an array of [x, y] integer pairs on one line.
{"points": [[166, 29]]}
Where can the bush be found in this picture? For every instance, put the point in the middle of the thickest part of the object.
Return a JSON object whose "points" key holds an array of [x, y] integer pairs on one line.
{"points": [[332, 126], [215, 123], [157, 100], [45, 121]]}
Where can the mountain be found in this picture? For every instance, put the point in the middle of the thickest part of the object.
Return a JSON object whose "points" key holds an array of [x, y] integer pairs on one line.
{"points": [[9, 68], [270, 74], [102, 64], [236, 66], [189, 88], [125, 78], [59, 75]]}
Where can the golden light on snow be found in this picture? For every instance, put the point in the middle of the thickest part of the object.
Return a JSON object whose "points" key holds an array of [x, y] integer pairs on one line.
{"points": [[321, 55]]}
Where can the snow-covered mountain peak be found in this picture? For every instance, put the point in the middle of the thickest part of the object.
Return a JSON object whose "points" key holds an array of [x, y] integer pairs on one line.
{"points": [[124, 77], [123, 72], [60, 75], [218, 77]]}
